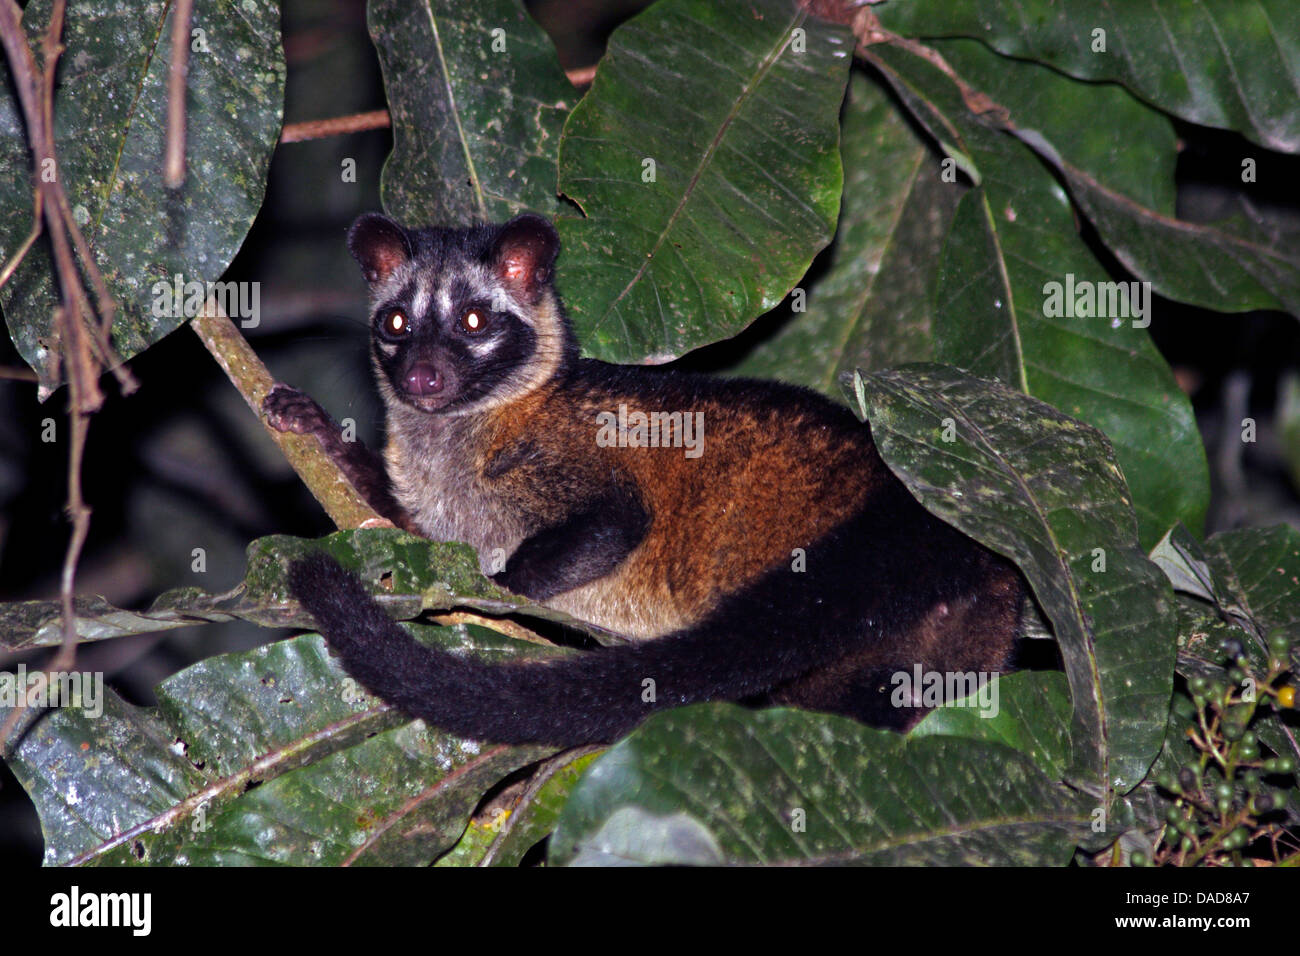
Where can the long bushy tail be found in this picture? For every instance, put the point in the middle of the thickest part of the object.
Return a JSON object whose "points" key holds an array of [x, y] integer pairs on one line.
{"points": [[596, 696]]}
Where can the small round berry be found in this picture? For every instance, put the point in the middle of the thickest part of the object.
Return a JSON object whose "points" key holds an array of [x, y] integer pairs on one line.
{"points": [[1279, 765]]}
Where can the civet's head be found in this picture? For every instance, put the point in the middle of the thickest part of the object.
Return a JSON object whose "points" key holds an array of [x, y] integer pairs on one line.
{"points": [[462, 319]]}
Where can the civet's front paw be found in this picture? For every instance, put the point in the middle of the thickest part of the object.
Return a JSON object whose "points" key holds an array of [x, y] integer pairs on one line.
{"points": [[289, 410]]}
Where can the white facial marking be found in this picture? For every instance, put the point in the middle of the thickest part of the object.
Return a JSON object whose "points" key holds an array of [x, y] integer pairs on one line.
{"points": [[420, 304]]}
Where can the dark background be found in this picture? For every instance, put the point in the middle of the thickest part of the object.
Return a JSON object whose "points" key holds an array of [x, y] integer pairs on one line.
{"points": [[183, 463]]}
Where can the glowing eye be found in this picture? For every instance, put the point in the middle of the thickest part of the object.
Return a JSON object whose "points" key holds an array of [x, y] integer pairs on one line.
{"points": [[474, 320], [395, 323]]}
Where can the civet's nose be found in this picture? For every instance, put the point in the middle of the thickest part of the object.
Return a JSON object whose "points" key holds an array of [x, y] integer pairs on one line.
{"points": [[423, 379]]}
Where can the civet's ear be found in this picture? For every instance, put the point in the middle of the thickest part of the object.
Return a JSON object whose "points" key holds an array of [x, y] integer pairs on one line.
{"points": [[379, 245], [524, 253]]}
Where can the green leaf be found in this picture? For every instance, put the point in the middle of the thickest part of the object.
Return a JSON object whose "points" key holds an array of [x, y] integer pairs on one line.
{"points": [[268, 756], [736, 103], [1118, 157], [1033, 716], [503, 840], [1232, 266], [472, 846], [406, 574], [1179, 555], [1117, 139], [110, 133], [716, 783], [1201, 635], [1044, 490], [477, 99], [1228, 65], [1288, 424], [1252, 577], [1259, 572], [870, 307], [1012, 238]]}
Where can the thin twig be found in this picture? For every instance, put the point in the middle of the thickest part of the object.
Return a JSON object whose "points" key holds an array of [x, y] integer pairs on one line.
{"points": [[337, 126], [105, 302], [12, 265], [380, 119], [174, 166], [35, 89], [101, 342]]}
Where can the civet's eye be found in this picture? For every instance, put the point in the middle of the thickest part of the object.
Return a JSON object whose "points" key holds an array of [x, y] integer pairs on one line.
{"points": [[474, 321], [395, 323]]}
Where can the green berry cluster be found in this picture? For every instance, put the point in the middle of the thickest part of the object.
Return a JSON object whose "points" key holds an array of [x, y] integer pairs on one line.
{"points": [[1225, 800]]}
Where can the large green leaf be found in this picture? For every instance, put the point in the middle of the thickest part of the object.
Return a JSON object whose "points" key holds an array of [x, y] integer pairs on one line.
{"points": [[267, 756], [1120, 172], [1012, 236], [870, 308], [1230, 65], [1044, 489], [478, 100], [705, 160], [110, 132], [1100, 128], [715, 783]]}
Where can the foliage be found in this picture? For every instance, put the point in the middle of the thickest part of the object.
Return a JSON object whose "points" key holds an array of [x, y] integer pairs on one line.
{"points": [[957, 234]]}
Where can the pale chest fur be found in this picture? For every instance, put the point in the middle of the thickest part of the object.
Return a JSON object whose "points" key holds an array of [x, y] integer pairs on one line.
{"points": [[432, 470]]}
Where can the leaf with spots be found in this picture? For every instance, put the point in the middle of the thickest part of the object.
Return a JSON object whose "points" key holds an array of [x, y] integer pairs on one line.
{"points": [[269, 756], [477, 99], [110, 112], [406, 574], [715, 783], [1004, 303], [1045, 490]]}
